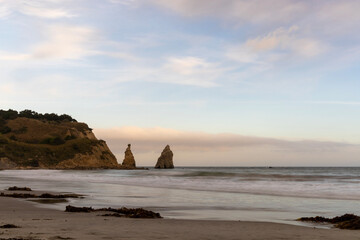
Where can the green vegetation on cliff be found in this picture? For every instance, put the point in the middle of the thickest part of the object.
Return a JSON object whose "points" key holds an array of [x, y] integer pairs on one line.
{"points": [[30, 139]]}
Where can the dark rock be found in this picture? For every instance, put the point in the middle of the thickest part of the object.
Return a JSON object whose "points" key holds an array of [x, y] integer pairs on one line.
{"points": [[9, 226], [166, 159], [131, 212], [129, 160], [121, 212], [344, 218], [19, 189], [44, 195], [48, 195], [353, 224], [18, 195], [70, 208], [49, 200], [346, 221]]}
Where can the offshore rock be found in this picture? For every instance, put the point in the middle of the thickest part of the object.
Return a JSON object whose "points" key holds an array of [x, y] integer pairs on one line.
{"points": [[166, 159], [129, 160]]}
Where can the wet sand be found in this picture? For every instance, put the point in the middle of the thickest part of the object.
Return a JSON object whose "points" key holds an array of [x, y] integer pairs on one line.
{"points": [[42, 223]]}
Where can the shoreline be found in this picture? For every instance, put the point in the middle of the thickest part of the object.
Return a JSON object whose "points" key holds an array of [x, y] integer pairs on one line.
{"points": [[37, 223]]}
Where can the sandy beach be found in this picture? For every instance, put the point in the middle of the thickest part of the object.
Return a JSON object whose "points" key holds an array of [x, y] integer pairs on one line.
{"points": [[41, 223]]}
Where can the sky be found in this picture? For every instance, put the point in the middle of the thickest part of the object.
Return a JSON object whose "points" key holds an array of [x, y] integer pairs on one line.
{"points": [[224, 82]]}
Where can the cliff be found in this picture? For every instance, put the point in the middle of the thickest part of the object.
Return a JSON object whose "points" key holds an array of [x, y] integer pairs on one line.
{"points": [[32, 140]]}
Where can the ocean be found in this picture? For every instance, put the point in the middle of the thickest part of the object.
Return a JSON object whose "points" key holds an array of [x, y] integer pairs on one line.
{"points": [[278, 194]]}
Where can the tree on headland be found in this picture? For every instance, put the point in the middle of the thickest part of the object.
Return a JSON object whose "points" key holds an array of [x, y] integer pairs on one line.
{"points": [[12, 114]]}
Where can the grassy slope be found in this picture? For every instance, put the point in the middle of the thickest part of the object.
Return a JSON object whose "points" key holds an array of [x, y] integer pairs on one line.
{"points": [[23, 144]]}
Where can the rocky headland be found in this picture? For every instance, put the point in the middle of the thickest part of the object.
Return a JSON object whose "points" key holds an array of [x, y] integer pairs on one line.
{"points": [[49, 141]]}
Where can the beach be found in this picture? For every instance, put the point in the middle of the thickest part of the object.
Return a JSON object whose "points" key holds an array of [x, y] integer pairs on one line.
{"points": [[195, 203], [279, 195], [43, 223]]}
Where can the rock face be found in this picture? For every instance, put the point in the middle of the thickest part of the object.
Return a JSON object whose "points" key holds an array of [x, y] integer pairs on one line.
{"points": [[129, 160], [166, 159], [5, 163], [99, 156]]}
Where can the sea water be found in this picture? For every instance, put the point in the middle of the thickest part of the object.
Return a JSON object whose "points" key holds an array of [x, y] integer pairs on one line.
{"points": [[277, 194]]}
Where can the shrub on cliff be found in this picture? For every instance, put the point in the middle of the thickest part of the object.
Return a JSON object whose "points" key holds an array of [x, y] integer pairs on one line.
{"points": [[12, 114]]}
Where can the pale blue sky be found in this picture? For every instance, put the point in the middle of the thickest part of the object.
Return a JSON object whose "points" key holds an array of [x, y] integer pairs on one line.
{"points": [[278, 69]]}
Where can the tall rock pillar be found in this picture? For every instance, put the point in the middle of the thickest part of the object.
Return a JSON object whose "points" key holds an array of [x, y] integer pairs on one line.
{"points": [[129, 160]]}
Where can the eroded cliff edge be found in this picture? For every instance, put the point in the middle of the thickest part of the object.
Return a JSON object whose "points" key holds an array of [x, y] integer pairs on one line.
{"points": [[32, 140]]}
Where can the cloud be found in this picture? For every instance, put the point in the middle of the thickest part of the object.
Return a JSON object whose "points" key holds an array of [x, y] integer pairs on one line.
{"points": [[187, 65], [147, 138], [225, 149], [65, 42], [36, 8], [4, 11], [286, 40], [275, 46], [189, 70], [322, 15], [241, 11], [44, 12], [13, 56], [62, 42]]}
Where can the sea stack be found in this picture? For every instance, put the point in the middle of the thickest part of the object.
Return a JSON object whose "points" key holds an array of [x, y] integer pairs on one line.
{"points": [[166, 159], [129, 160]]}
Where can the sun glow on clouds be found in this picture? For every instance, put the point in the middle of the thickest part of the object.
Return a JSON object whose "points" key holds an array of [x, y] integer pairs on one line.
{"points": [[237, 149]]}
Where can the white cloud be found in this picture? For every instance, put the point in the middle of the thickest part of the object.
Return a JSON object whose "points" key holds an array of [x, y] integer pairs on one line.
{"points": [[192, 71], [36, 8], [187, 65], [242, 54], [13, 56], [286, 40], [44, 12], [277, 47], [66, 42], [4, 11]]}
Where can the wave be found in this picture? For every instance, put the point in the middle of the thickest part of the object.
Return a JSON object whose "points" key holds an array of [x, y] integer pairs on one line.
{"points": [[305, 184]]}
